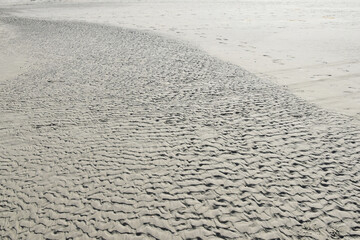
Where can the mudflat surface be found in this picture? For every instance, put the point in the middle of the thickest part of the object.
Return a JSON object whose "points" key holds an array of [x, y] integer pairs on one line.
{"points": [[120, 134]]}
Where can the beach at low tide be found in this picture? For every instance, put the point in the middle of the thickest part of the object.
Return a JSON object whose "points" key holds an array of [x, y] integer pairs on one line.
{"points": [[311, 47], [118, 133]]}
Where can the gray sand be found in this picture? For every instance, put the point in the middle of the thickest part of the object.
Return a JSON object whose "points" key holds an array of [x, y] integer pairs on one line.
{"points": [[310, 46], [120, 134]]}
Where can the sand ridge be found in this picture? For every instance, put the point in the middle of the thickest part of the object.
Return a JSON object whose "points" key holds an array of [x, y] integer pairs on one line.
{"points": [[121, 134]]}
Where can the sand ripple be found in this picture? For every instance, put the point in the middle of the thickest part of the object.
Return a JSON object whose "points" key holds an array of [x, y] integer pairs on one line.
{"points": [[119, 134]]}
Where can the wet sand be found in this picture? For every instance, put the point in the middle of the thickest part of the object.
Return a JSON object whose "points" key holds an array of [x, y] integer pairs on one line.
{"points": [[122, 134]]}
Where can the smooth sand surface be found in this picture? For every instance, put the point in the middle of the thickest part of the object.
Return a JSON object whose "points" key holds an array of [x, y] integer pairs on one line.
{"points": [[122, 134], [312, 47], [12, 59]]}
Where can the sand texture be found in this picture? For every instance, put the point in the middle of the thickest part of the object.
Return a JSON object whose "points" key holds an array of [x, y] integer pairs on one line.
{"points": [[12, 61], [310, 46], [121, 134]]}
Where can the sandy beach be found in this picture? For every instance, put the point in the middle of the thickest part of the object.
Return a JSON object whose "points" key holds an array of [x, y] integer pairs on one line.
{"points": [[109, 132], [311, 47]]}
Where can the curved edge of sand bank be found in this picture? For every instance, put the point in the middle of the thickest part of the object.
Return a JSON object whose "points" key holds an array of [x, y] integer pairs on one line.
{"points": [[313, 53]]}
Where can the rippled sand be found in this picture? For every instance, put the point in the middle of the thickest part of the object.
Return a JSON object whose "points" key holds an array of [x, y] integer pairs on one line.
{"points": [[311, 47], [121, 134]]}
